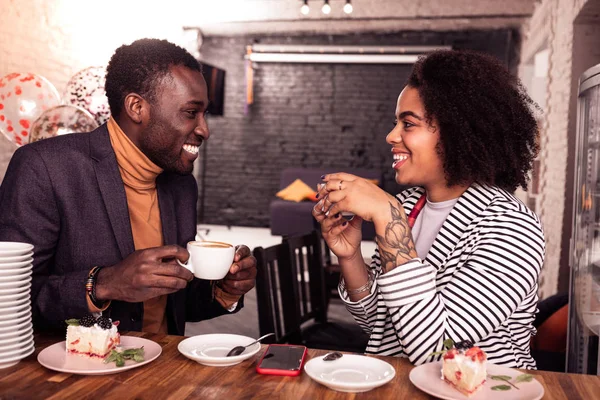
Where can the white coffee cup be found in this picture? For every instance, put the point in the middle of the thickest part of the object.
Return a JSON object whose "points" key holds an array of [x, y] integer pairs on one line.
{"points": [[208, 259]]}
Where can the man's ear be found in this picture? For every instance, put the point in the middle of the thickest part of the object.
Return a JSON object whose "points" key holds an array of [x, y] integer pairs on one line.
{"points": [[136, 107]]}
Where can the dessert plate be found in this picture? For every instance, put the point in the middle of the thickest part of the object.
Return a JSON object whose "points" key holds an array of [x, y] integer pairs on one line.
{"points": [[212, 349], [11, 249], [350, 373], [428, 378], [55, 357], [15, 259]]}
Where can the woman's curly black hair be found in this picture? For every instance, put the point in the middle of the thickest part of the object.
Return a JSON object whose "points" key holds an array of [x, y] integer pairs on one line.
{"points": [[488, 132], [139, 67]]}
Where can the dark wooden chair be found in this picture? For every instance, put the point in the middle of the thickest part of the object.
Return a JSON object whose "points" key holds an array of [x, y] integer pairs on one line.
{"points": [[292, 299]]}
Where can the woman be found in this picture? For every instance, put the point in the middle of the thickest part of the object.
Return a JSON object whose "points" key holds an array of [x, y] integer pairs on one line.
{"points": [[458, 256]]}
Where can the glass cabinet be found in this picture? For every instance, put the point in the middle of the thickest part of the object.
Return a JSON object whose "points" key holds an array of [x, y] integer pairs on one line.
{"points": [[584, 297]]}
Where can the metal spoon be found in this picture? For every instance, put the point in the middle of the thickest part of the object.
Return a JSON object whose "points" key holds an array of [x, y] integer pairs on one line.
{"points": [[237, 350], [332, 356]]}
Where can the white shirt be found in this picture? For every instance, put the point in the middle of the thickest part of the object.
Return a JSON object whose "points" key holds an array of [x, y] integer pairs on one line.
{"points": [[428, 224]]}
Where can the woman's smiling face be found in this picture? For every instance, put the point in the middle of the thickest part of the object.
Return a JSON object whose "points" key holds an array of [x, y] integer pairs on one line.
{"points": [[415, 144]]}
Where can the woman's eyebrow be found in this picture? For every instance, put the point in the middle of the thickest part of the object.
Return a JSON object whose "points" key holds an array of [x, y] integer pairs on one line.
{"points": [[409, 114]]}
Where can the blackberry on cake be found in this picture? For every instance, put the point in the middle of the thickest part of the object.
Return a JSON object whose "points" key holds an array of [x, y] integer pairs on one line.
{"points": [[463, 366], [92, 337]]}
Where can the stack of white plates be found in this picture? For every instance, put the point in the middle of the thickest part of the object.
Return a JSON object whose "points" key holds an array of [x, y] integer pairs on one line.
{"points": [[16, 329]]}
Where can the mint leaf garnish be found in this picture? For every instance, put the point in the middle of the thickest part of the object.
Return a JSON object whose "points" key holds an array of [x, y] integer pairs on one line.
{"points": [[72, 321], [501, 377], [501, 387], [524, 378], [119, 357], [448, 343]]}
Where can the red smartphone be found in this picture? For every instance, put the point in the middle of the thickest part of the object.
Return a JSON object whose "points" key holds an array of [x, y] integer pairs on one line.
{"points": [[282, 359]]}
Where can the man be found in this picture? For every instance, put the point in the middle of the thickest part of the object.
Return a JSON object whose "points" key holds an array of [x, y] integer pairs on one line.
{"points": [[110, 211]]}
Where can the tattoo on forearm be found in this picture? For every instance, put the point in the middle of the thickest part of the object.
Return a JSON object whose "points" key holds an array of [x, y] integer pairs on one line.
{"points": [[397, 246]]}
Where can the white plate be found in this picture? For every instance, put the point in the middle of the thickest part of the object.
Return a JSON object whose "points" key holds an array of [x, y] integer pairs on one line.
{"points": [[11, 313], [21, 345], [7, 298], [15, 318], [13, 305], [9, 362], [14, 259], [16, 350], [55, 357], [13, 284], [428, 378], [16, 337], [4, 266], [212, 349], [21, 277], [10, 249], [8, 330], [15, 270], [16, 290], [350, 373]]}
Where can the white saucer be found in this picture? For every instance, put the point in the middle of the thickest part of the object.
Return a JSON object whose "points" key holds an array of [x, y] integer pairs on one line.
{"points": [[211, 350], [14, 259], [14, 305], [10, 249], [17, 283], [16, 350], [55, 357], [16, 318], [16, 337], [10, 313], [350, 373], [20, 277], [15, 270], [10, 329], [10, 361], [428, 378], [15, 265], [16, 290], [23, 344], [7, 298]]}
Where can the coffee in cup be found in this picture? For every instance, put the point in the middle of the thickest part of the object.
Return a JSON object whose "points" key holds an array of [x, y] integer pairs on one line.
{"points": [[209, 259]]}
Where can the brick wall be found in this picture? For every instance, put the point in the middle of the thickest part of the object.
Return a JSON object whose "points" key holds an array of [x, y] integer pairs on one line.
{"points": [[308, 115], [552, 27]]}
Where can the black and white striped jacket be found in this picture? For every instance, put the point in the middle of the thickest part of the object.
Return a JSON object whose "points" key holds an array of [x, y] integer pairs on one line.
{"points": [[478, 282]]}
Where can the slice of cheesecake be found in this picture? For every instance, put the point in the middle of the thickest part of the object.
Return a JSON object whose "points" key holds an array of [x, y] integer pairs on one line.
{"points": [[464, 367], [91, 337]]}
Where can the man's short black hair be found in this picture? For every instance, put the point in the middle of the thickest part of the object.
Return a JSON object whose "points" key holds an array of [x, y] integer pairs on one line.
{"points": [[140, 67], [488, 132]]}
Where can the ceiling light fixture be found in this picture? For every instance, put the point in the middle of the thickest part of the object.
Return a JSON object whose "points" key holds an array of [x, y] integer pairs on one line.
{"points": [[305, 9], [348, 7], [326, 8]]}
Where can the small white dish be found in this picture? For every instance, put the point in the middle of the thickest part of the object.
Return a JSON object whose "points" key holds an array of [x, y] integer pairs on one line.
{"points": [[16, 337], [10, 329], [55, 357], [10, 249], [16, 350], [16, 270], [20, 282], [17, 290], [21, 277], [15, 318], [6, 265], [7, 306], [13, 360], [7, 298], [13, 259], [350, 373], [212, 349], [24, 343], [8, 313], [428, 378]]}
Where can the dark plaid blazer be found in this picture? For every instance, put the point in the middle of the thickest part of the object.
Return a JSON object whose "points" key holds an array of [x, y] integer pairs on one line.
{"points": [[65, 195]]}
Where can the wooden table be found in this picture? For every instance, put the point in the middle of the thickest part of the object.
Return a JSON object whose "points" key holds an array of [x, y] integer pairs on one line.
{"points": [[172, 376]]}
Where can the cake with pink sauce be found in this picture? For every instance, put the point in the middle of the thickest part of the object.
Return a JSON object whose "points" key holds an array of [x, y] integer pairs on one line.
{"points": [[463, 367], [92, 337]]}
